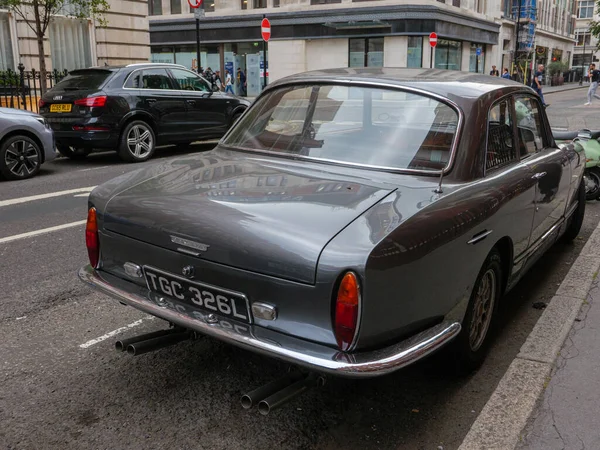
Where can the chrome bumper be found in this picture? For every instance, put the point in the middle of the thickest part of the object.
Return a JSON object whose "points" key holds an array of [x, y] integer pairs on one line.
{"points": [[297, 351]]}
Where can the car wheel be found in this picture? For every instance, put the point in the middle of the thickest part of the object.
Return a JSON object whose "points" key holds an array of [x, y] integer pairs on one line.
{"points": [[137, 142], [576, 220], [20, 158], [73, 152], [591, 178], [235, 118], [472, 343]]}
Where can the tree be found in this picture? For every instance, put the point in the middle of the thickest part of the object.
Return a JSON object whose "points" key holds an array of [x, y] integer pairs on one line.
{"points": [[595, 26], [37, 14]]}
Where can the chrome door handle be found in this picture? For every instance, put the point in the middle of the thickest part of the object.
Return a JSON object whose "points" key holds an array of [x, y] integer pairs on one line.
{"points": [[191, 102], [539, 175], [151, 100]]}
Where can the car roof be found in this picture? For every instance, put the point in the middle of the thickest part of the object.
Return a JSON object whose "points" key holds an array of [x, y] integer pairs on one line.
{"points": [[138, 65], [445, 83]]}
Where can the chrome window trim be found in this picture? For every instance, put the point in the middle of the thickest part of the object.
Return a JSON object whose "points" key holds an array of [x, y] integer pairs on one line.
{"points": [[375, 84], [169, 90]]}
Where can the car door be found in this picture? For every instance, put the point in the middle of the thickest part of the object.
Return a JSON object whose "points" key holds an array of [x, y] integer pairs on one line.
{"points": [[159, 97], [208, 112], [551, 171]]}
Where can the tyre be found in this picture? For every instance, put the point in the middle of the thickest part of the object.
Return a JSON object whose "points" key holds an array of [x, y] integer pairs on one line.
{"points": [[20, 158], [235, 118], [73, 152], [576, 220], [591, 178], [137, 142], [471, 345]]}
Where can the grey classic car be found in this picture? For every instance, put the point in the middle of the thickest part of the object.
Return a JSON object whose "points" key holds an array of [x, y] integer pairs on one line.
{"points": [[352, 222]]}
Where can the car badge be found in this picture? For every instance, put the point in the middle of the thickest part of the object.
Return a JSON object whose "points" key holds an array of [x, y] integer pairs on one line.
{"points": [[57, 97], [190, 244], [188, 271]]}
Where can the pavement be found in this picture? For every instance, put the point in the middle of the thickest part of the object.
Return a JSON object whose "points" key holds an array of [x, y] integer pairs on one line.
{"points": [[64, 386]]}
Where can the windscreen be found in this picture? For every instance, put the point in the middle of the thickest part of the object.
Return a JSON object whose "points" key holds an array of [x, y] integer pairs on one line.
{"points": [[83, 80], [358, 125]]}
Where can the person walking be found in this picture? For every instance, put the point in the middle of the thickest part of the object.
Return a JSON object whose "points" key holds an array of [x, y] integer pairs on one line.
{"points": [[228, 83], [536, 83], [506, 75], [494, 72], [241, 81], [594, 79]]}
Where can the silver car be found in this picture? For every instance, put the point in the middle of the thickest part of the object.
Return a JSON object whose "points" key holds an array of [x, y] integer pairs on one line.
{"points": [[26, 142]]}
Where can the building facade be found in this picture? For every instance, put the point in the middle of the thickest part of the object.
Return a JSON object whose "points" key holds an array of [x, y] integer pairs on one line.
{"points": [[73, 44], [585, 51]]}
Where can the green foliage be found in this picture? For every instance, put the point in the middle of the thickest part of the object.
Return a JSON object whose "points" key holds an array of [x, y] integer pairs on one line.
{"points": [[557, 67]]}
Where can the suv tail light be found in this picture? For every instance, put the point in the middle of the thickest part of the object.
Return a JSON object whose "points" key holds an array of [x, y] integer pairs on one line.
{"points": [[41, 103], [347, 306], [91, 238], [92, 102]]}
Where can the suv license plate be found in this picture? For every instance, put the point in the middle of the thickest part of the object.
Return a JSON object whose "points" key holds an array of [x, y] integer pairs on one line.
{"points": [[60, 108]]}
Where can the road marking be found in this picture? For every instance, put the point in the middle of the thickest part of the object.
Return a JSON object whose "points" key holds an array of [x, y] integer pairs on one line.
{"points": [[16, 201], [113, 333], [85, 194], [42, 231], [92, 168]]}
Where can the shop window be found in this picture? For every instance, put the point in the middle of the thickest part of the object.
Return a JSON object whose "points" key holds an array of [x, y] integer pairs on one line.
{"points": [[70, 44], [163, 55], [154, 7], [6, 51], [260, 4], [209, 54], [415, 51], [175, 6], [477, 62], [448, 54], [585, 9], [365, 52]]}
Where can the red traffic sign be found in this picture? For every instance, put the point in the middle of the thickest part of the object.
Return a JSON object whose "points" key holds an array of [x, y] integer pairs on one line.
{"points": [[265, 29], [195, 3], [433, 39]]}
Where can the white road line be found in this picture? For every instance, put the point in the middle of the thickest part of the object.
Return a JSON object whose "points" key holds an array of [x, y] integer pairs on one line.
{"points": [[92, 168], [16, 201], [42, 231], [85, 194], [112, 333]]}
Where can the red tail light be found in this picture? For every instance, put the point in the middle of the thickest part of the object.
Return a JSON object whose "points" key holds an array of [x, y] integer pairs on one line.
{"points": [[41, 103], [92, 102], [91, 238], [347, 306], [90, 128]]}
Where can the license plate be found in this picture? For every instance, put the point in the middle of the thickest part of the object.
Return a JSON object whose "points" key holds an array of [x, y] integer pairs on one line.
{"points": [[60, 108], [202, 296]]}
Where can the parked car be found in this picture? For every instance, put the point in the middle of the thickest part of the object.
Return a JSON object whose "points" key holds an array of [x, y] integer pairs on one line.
{"points": [[135, 108], [352, 222], [26, 142]]}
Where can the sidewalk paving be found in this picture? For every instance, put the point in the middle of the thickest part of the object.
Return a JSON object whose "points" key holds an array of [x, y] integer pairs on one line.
{"points": [[568, 412], [564, 87]]}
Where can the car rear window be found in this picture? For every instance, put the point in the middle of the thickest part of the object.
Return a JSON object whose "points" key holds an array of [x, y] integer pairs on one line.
{"points": [[381, 128], [84, 80]]}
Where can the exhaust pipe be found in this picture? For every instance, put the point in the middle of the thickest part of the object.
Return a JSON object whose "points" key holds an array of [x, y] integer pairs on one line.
{"points": [[278, 399], [252, 398], [122, 345], [149, 345]]}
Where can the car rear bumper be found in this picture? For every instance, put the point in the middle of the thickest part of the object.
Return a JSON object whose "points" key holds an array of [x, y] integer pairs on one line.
{"points": [[258, 339], [89, 139]]}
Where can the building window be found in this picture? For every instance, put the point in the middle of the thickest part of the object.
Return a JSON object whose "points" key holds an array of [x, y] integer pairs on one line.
{"points": [[208, 6], [585, 9], [415, 51], [260, 4], [365, 52], [448, 54], [275, 3], [70, 44], [324, 2], [583, 37], [175, 6], [477, 62], [244, 4], [6, 51], [456, 3], [154, 7]]}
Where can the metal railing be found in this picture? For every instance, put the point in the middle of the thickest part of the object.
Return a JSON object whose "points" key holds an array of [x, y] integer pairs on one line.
{"points": [[23, 89]]}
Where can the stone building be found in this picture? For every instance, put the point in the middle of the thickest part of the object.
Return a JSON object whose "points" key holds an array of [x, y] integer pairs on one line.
{"points": [[585, 51]]}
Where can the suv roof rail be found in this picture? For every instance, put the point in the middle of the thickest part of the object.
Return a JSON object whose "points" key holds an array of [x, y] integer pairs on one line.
{"points": [[154, 64]]}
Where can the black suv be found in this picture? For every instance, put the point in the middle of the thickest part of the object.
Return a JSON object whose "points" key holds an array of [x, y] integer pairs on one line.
{"points": [[134, 108]]}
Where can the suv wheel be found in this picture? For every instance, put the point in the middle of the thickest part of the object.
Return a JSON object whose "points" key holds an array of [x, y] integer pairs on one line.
{"points": [[73, 152], [20, 158], [137, 142]]}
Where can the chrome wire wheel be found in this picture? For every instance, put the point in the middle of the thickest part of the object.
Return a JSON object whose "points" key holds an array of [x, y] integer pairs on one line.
{"points": [[483, 309], [22, 158], [592, 184], [140, 141]]}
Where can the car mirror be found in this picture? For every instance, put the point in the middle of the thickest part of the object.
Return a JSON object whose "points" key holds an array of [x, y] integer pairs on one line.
{"points": [[584, 134]]}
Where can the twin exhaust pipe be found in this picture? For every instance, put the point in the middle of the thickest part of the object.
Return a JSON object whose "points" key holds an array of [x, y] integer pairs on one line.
{"points": [[149, 342], [278, 392]]}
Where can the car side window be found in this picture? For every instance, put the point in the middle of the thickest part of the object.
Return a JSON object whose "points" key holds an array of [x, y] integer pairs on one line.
{"points": [[133, 82], [189, 81], [529, 125], [500, 141], [156, 79]]}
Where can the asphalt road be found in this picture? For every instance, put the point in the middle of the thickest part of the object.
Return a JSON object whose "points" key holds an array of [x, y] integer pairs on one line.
{"points": [[64, 387]]}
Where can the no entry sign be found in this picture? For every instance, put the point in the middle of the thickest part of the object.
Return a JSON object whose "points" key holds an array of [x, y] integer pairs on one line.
{"points": [[433, 39], [265, 29], [195, 3]]}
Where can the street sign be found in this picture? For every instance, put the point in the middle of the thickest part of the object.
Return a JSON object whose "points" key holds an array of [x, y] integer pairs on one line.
{"points": [[195, 3], [433, 39], [199, 13], [265, 29], [478, 51]]}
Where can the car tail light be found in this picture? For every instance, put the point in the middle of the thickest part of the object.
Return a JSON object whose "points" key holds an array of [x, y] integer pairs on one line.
{"points": [[91, 238], [347, 305], [41, 103], [92, 102], [90, 128]]}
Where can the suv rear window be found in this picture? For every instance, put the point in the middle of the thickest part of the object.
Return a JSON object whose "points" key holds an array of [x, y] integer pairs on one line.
{"points": [[84, 80]]}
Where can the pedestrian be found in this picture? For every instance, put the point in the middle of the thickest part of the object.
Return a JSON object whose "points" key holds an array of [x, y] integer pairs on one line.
{"points": [[241, 81], [218, 81], [536, 84], [494, 72], [228, 83], [594, 79], [505, 74]]}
